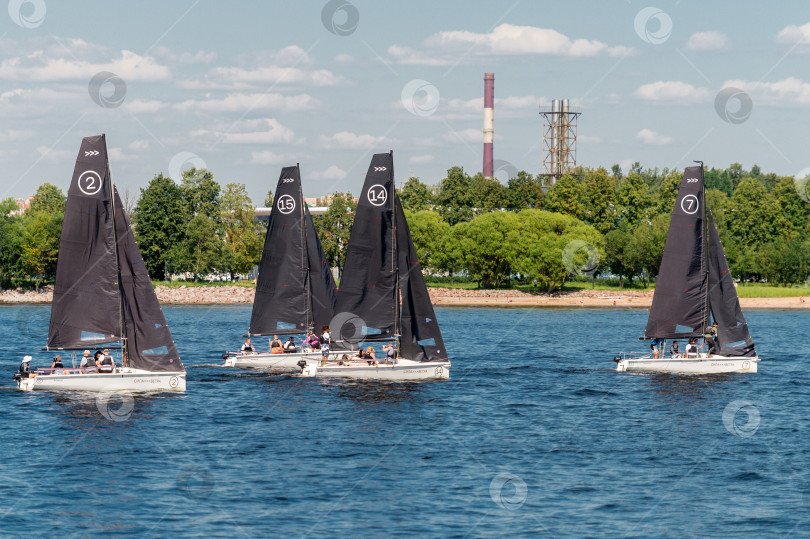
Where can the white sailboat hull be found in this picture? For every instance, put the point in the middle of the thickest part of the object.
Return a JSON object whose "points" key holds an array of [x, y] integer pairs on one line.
{"points": [[403, 370], [272, 361], [700, 365], [123, 379]]}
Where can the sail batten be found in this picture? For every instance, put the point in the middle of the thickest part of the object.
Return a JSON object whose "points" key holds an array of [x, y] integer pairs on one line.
{"points": [[295, 290]]}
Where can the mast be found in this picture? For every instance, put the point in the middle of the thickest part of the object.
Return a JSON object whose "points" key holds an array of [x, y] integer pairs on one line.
{"points": [[704, 259], [122, 316], [395, 263]]}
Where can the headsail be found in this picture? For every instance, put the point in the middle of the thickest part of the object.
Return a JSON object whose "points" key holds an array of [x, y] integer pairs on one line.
{"points": [[86, 308], [295, 290], [367, 297], [732, 331], [680, 307], [323, 291], [149, 345], [421, 338]]}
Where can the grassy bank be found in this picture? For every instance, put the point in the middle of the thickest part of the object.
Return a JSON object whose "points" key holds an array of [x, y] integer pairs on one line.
{"points": [[197, 284]]}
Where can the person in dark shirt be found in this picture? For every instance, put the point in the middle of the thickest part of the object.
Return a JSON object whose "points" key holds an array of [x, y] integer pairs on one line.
{"points": [[57, 362]]}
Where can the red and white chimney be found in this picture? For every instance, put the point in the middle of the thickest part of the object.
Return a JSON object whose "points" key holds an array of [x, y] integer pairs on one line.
{"points": [[489, 122]]}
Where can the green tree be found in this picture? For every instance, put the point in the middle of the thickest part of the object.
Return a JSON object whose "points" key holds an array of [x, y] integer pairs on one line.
{"points": [[753, 214], [713, 179], [634, 198], [487, 247], [200, 194], [40, 244], [599, 200], [242, 235], [523, 191], [565, 197], [201, 250], [616, 253], [549, 247], [455, 199], [7, 206], [415, 195], [268, 199], [488, 194], [429, 232], [334, 228], [790, 209], [160, 223], [48, 198]]}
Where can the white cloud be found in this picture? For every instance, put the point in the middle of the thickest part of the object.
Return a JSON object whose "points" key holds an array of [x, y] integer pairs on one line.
{"points": [[140, 106], [138, 145], [706, 41], [186, 58], [117, 155], [443, 48], [258, 131], [673, 91], [50, 154], [331, 173], [275, 75], [10, 135], [793, 34], [786, 91], [464, 135], [236, 102], [129, 67], [423, 159], [650, 137], [351, 141], [268, 157], [343, 58]]}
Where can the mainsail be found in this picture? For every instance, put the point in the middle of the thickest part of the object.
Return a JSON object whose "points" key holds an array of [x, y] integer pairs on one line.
{"points": [[733, 338], [367, 296], [680, 304], [295, 290], [382, 270], [86, 309], [102, 292]]}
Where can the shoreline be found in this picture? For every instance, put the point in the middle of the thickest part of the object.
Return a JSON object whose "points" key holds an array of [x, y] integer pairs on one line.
{"points": [[237, 295]]}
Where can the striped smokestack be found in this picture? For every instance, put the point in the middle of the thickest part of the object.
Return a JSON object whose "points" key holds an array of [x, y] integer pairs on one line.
{"points": [[489, 121]]}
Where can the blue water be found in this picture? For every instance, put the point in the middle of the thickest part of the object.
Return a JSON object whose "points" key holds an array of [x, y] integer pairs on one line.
{"points": [[534, 435]]}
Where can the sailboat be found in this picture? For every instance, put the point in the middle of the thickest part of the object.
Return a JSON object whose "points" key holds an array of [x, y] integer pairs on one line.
{"points": [[382, 296], [103, 296], [295, 290], [693, 284]]}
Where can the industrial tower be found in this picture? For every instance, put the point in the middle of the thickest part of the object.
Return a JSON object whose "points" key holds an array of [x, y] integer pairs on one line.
{"points": [[559, 139]]}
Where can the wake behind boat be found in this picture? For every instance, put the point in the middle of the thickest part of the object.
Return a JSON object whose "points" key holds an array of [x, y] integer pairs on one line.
{"points": [[295, 291], [103, 296], [693, 283], [383, 297]]}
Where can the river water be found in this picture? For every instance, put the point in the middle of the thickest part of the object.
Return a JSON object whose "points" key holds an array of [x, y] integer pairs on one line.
{"points": [[534, 435]]}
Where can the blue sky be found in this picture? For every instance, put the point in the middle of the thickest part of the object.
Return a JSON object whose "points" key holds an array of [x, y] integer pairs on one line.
{"points": [[245, 88]]}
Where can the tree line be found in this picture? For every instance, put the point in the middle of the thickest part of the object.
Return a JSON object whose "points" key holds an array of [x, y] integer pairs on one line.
{"points": [[591, 222]]}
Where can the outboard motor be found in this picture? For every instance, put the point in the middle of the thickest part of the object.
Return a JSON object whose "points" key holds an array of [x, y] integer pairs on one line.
{"points": [[302, 364], [617, 359], [225, 355]]}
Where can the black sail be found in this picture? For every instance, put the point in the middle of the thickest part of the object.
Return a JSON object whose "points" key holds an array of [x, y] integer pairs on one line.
{"points": [[149, 344], [421, 338], [86, 308], [679, 307], [733, 338], [366, 306], [323, 291], [280, 304]]}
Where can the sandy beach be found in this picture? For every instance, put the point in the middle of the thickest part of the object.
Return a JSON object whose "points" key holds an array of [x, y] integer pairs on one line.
{"points": [[224, 295]]}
